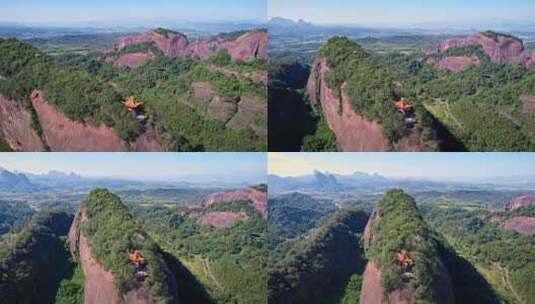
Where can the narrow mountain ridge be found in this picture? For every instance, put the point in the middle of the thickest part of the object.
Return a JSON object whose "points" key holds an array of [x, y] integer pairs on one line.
{"points": [[121, 263], [404, 255]]}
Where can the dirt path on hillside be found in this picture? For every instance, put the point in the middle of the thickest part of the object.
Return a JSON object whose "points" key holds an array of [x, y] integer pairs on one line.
{"points": [[507, 282], [210, 274]]}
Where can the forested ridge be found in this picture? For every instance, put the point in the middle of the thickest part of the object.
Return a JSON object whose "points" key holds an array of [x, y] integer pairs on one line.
{"points": [[90, 88], [478, 109]]}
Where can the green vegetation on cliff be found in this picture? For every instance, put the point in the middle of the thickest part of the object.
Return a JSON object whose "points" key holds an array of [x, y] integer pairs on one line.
{"points": [[371, 88], [397, 227], [112, 233], [78, 94], [485, 107], [86, 88]]}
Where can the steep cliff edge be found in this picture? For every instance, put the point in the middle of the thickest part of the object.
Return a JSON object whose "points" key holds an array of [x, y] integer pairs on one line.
{"points": [[241, 46], [500, 48], [120, 262], [405, 264], [257, 198], [16, 127], [353, 132], [64, 134], [63, 108], [358, 107]]}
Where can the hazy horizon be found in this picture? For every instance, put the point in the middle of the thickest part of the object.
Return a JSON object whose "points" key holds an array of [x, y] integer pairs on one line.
{"points": [[393, 13], [96, 12], [156, 167], [470, 166]]}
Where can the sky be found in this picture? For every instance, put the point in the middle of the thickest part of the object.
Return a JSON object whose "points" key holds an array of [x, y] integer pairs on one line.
{"points": [[401, 12], [67, 11], [433, 166], [227, 167]]}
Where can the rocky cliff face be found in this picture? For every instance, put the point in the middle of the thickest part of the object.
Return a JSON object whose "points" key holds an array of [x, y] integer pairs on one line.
{"points": [[500, 48], [99, 286], [16, 127], [256, 197], [170, 43], [373, 290], [133, 60], [522, 224], [520, 202], [249, 46], [64, 134], [353, 131], [456, 63]]}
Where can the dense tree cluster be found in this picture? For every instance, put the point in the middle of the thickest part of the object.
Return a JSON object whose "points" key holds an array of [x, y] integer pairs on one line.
{"points": [[317, 267], [33, 260]]}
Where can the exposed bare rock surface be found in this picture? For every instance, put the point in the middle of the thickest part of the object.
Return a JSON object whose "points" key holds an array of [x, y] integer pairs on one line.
{"points": [[133, 60], [353, 132], [98, 285], [222, 219], [16, 127], [457, 63], [222, 109], [521, 224], [256, 197], [528, 104], [203, 92], [64, 134], [239, 114], [528, 59], [247, 114], [519, 202], [252, 45], [249, 46], [411, 142], [171, 44], [500, 49], [372, 291], [149, 141], [257, 76]]}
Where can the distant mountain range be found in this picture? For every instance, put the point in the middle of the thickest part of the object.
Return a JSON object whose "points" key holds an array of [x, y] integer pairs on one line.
{"points": [[14, 182], [279, 25], [361, 181], [196, 28]]}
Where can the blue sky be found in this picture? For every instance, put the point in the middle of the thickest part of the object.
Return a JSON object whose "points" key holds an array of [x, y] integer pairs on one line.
{"points": [[401, 12], [243, 167], [57, 11], [447, 166]]}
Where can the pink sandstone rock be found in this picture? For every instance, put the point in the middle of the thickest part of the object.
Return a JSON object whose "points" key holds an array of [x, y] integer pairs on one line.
{"points": [[256, 197]]}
